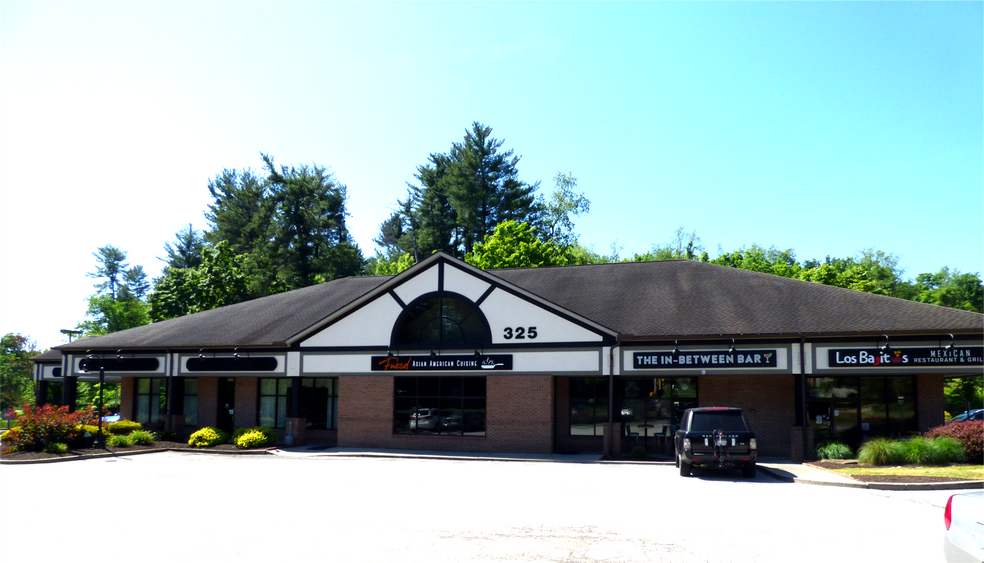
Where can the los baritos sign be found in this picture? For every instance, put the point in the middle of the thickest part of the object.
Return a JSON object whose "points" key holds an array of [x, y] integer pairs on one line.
{"points": [[905, 357], [704, 359]]}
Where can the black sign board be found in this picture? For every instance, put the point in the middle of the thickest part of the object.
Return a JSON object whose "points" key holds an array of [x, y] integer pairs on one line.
{"points": [[92, 365], [226, 363], [471, 362], [705, 359], [905, 357]]}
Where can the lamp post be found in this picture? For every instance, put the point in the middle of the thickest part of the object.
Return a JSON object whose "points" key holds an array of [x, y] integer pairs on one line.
{"points": [[102, 379], [70, 332]]}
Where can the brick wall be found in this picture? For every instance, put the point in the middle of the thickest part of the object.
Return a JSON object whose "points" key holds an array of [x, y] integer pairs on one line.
{"points": [[518, 416], [127, 391], [208, 398], [768, 401], [247, 402], [929, 401]]}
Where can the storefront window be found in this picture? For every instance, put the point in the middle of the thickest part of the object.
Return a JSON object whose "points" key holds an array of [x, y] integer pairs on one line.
{"points": [[273, 402], [190, 400], [589, 406], [651, 406], [151, 400], [854, 409], [451, 405], [319, 403]]}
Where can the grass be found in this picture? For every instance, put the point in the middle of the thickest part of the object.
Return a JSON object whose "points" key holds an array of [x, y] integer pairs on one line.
{"points": [[968, 472]]}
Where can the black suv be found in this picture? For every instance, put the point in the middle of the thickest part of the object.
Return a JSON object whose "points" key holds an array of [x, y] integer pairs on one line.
{"points": [[715, 437]]}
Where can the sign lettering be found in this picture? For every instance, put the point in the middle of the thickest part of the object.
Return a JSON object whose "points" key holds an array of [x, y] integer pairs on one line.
{"points": [[701, 359], [497, 362], [905, 357]]}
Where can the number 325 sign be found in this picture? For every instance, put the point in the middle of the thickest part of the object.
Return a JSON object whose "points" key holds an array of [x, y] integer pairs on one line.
{"points": [[519, 333]]}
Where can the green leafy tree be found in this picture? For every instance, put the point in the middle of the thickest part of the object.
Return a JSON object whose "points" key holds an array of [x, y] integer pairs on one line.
{"points": [[564, 202], [16, 380], [106, 315], [515, 245], [684, 246], [220, 280], [950, 289], [961, 393]]}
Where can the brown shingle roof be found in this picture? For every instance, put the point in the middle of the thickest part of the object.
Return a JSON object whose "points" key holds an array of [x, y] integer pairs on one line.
{"points": [[671, 299]]}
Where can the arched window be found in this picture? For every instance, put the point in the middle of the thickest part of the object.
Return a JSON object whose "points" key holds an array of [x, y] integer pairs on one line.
{"points": [[442, 320]]}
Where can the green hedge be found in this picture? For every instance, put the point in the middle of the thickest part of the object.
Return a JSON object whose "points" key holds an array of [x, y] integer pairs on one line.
{"points": [[207, 437], [123, 427], [255, 437]]}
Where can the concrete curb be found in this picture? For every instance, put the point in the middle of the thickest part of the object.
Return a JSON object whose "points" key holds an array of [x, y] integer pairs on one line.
{"points": [[130, 453], [949, 485]]}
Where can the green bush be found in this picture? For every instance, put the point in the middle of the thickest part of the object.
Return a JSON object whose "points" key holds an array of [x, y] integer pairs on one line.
{"points": [[56, 448], [970, 434], [119, 441], [255, 437], [207, 437], [937, 451], [639, 452], [881, 451], [141, 437], [834, 450], [123, 427]]}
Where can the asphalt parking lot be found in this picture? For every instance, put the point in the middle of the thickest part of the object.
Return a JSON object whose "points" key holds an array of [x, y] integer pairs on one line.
{"points": [[198, 507]]}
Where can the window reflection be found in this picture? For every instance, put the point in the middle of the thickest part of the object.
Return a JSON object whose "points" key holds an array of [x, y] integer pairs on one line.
{"points": [[447, 405]]}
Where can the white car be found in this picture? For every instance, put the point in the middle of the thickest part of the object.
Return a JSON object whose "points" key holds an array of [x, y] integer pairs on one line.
{"points": [[964, 521], [425, 419]]}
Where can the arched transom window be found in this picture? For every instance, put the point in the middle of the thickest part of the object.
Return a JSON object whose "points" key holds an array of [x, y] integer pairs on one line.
{"points": [[444, 320]]}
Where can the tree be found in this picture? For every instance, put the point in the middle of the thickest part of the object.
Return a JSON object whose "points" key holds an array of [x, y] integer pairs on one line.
{"points": [[460, 198], [118, 302], [186, 249], [16, 380], [962, 393], [950, 289], [309, 242], [220, 280], [515, 245], [557, 210], [240, 211]]}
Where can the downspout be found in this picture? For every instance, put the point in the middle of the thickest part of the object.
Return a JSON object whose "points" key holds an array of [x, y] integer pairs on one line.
{"points": [[611, 396]]}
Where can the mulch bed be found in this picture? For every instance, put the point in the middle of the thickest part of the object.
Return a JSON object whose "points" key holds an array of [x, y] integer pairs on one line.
{"points": [[92, 452], [831, 465]]}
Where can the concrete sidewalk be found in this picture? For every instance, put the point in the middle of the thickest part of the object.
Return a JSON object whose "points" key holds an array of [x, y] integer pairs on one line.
{"points": [[777, 468]]}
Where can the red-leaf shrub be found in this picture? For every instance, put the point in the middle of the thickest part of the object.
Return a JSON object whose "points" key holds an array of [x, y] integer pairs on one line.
{"points": [[48, 424], [970, 434]]}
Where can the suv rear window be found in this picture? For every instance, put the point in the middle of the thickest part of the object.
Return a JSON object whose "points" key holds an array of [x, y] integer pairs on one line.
{"points": [[731, 421]]}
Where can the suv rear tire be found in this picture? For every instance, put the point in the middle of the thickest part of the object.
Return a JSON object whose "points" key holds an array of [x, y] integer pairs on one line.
{"points": [[684, 468], [748, 471]]}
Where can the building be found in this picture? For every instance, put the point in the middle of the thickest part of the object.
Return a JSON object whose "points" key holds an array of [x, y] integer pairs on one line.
{"points": [[445, 356]]}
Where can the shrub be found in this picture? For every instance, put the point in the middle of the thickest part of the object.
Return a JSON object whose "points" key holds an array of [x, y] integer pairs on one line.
{"points": [[9, 439], [207, 437], [834, 450], [936, 451], [48, 424], [119, 441], [881, 451], [639, 452], [56, 448], [255, 437], [969, 433], [123, 427], [141, 437]]}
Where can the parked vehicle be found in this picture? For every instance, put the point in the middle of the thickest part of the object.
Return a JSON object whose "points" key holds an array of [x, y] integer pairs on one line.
{"points": [[715, 437], [963, 518], [470, 422], [976, 414], [425, 419]]}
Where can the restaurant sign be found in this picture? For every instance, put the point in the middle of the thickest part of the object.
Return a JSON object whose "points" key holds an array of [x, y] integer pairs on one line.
{"points": [[470, 362], [905, 357], [704, 359]]}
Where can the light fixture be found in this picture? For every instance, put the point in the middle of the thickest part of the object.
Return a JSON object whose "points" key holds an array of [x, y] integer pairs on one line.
{"points": [[478, 356], [70, 332], [433, 354], [201, 353], [732, 349], [676, 349], [235, 353], [886, 348], [951, 345], [119, 354], [389, 353]]}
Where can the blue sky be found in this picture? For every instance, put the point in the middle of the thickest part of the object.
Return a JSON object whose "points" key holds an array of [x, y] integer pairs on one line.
{"points": [[822, 127]]}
